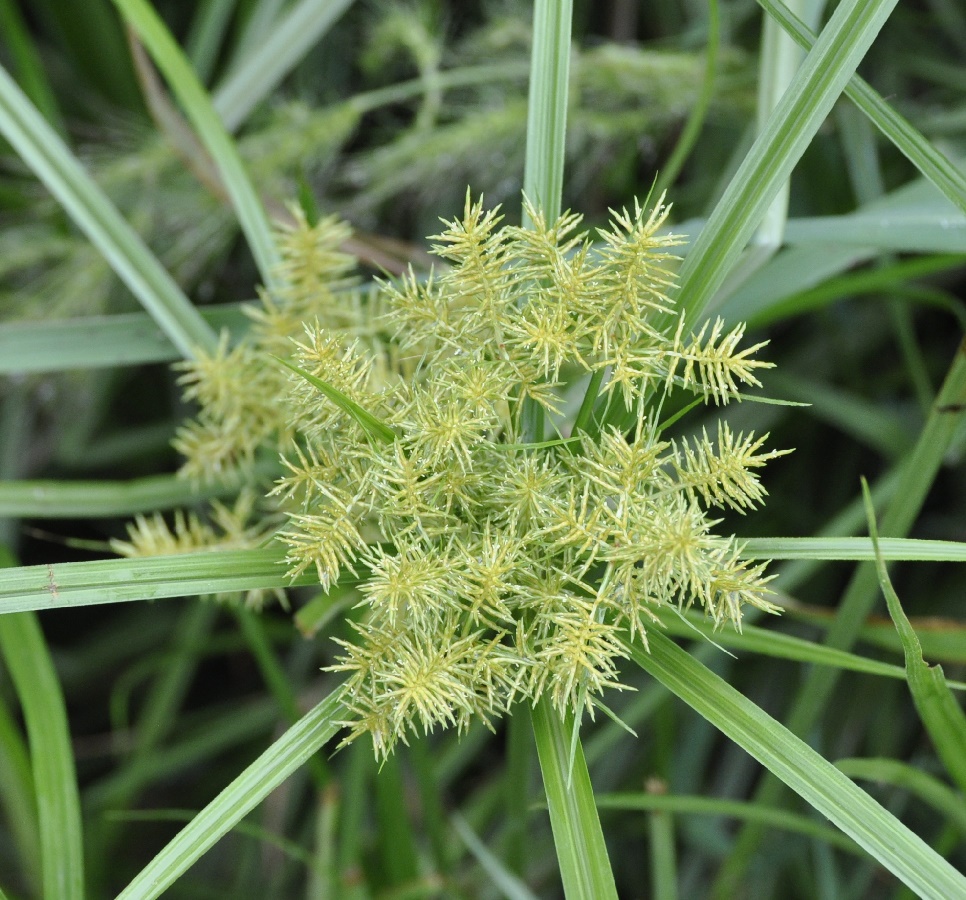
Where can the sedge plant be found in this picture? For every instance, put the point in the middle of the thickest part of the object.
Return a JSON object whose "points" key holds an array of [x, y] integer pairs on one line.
{"points": [[485, 469]]}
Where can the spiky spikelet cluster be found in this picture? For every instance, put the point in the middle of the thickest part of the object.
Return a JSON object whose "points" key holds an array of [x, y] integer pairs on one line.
{"points": [[238, 395], [227, 528], [242, 414], [495, 565]]}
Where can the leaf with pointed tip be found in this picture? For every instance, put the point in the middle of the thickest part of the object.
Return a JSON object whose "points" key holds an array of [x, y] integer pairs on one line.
{"points": [[372, 426]]}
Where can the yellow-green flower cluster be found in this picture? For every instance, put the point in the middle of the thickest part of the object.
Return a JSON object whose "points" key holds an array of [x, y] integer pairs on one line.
{"points": [[432, 452], [497, 560]]}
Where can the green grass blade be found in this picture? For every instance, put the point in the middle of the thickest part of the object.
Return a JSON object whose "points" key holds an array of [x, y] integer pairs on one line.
{"points": [[372, 426], [32, 671], [356, 782], [663, 859], [699, 111], [937, 707], [927, 229], [920, 152], [772, 295], [821, 79], [94, 342], [170, 59], [94, 47], [581, 851], [942, 798], [811, 776], [90, 499], [208, 27], [28, 65], [778, 61], [49, 158], [261, 71], [547, 106], [742, 810], [18, 800], [322, 875], [280, 760], [517, 772], [942, 639], [147, 578], [766, 642], [853, 548], [546, 144]]}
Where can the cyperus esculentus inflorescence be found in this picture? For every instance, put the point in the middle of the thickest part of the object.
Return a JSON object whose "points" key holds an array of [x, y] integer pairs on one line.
{"points": [[499, 556]]}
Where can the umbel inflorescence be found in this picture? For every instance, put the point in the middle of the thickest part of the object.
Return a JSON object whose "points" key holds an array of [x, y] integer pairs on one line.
{"points": [[503, 544]]}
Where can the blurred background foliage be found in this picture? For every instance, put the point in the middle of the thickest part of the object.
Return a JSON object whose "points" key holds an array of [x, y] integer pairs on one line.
{"points": [[386, 121]]}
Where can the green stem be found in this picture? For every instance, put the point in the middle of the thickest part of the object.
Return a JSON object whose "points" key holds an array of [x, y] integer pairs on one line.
{"points": [[32, 671], [663, 860], [546, 135], [547, 106], [581, 851]]}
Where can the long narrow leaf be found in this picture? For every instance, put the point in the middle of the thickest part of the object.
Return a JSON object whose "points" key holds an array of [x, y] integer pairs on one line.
{"points": [[280, 760], [89, 499], [767, 642], [171, 60], [920, 152], [942, 798], [937, 707], [282, 49], [51, 755], [581, 851], [148, 578], [808, 100], [18, 800], [853, 548], [911, 230], [370, 424], [94, 342], [28, 65], [689, 804], [43, 151], [503, 879], [810, 775], [942, 639], [547, 105], [209, 24]]}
